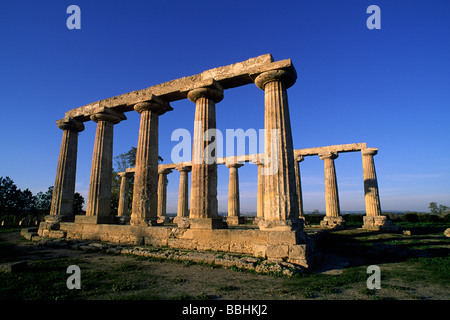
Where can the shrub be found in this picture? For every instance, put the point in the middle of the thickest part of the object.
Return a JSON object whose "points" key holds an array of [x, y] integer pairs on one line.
{"points": [[411, 217]]}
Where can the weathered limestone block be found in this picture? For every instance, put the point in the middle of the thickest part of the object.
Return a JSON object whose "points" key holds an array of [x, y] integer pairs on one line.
{"points": [[333, 222], [29, 233], [447, 232], [277, 252], [260, 250], [58, 234], [379, 223]]}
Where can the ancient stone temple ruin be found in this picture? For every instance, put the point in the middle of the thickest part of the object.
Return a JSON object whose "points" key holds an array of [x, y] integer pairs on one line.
{"points": [[279, 230]]}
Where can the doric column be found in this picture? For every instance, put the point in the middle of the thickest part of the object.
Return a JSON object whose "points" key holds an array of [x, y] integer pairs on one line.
{"points": [[371, 195], [298, 183], [280, 196], [145, 190], [233, 195], [64, 189], [122, 210], [183, 194], [260, 193], [203, 213], [332, 218], [99, 198], [162, 195], [373, 220]]}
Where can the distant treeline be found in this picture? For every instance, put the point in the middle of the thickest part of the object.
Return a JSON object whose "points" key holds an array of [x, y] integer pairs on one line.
{"points": [[22, 207]]}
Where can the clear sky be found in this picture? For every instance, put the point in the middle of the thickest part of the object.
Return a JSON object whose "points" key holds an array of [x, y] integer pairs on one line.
{"points": [[389, 87]]}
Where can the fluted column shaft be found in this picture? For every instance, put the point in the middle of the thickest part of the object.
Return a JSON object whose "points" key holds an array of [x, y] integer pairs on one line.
{"points": [[99, 197], [371, 195], [123, 194], [298, 183], [260, 192], [280, 196], [204, 166], [64, 188], [331, 188], [233, 191], [162, 193], [145, 190], [183, 193]]}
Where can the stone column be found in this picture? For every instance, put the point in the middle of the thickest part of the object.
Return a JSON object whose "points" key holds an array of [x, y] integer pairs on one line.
{"points": [[373, 220], [99, 197], [145, 190], [332, 218], [64, 189], [298, 183], [260, 193], [183, 194], [280, 194], [234, 217], [122, 211], [162, 195], [204, 213]]}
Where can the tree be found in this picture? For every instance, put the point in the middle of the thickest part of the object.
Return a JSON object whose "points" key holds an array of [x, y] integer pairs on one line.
{"points": [[443, 209], [78, 202], [9, 195], [433, 208], [122, 162], [43, 201], [438, 209]]}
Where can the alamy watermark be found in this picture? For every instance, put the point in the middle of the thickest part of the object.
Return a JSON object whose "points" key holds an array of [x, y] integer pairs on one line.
{"points": [[74, 280], [374, 280], [235, 139]]}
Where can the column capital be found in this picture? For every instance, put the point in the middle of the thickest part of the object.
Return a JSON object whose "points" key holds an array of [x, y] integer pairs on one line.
{"points": [[288, 77], [369, 151], [154, 104], [125, 174], [184, 168], [299, 158], [108, 115], [328, 155], [214, 91], [70, 124], [234, 165], [164, 171]]}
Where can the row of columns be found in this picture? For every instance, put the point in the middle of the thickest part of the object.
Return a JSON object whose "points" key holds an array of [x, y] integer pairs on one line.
{"points": [[279, 193], [332, 219]]}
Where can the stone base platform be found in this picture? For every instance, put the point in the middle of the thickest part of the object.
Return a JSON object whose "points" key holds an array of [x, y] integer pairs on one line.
{"points": [[234, 221], [333, 222], [379, 223], [288, 246]]}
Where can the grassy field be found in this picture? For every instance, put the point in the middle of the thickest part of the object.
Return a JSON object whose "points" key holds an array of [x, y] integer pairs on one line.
{"points": [[415, 266]]}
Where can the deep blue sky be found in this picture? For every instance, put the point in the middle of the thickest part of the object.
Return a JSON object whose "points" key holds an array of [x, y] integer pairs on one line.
{"points": [[389, 88]]}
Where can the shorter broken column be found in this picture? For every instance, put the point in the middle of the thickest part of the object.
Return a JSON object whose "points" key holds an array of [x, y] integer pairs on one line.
{"points": [[333, 219], [298, 183], [183, 194], [234, 217], [162, 195], [260, 194], [122, 211]]}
